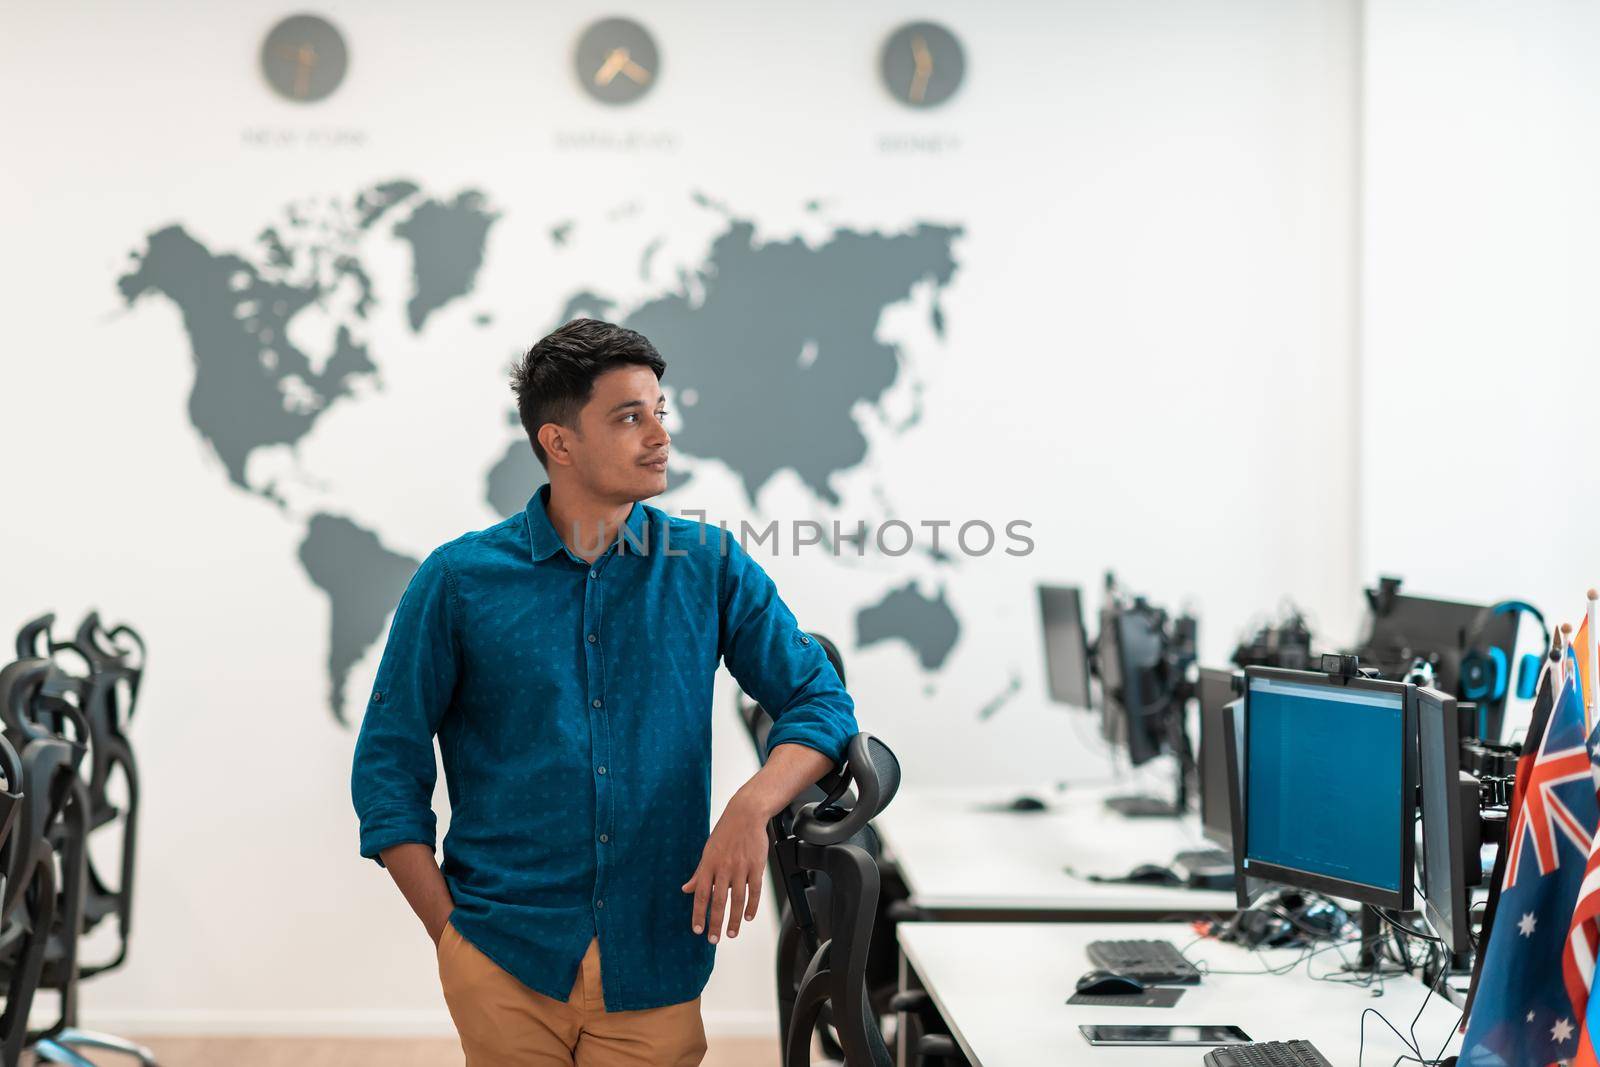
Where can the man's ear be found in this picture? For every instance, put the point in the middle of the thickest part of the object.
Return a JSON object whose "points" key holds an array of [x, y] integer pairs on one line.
{"points": [[554, 438]]}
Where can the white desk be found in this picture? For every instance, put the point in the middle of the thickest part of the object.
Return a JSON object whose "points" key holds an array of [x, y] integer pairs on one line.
{"points": [[1002, 989], [964, 861]]}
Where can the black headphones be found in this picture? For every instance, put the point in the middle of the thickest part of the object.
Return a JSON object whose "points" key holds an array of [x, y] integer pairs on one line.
{"points": [[1284, 918], [1485, 671]]}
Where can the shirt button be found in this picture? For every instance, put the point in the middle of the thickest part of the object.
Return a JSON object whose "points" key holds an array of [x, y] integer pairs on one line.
{"points": [[602, 770], [593, 639], [597, 702], [599, 903], [594, 574], [805, 640], [604, 839]]}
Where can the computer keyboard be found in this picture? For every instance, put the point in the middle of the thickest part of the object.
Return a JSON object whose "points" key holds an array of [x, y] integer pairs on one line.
{"points": [[1152, 962], [1267, 1054]]}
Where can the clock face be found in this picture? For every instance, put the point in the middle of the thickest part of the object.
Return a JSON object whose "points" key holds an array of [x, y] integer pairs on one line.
{"points": [[922, 64], [304, 58], [617, 61]]}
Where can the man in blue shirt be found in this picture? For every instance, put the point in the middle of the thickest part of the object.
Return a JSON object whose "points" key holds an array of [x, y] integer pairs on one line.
{"points": [[564, 658]]}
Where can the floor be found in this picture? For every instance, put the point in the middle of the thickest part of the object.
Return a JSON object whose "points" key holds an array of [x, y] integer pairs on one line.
{"points": [[343, 1052]]}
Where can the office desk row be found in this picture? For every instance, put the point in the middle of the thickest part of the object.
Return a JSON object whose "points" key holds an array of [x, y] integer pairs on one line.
{"points": [[1002, 989], [1009, 908], [966, 858]]}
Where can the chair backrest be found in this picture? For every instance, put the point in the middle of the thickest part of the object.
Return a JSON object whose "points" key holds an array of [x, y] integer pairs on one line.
{"points": [[105, 693], [10, 813], [37, 906], [832, 651], [758, 724], [34, 692], [110, 695], [117, 654], [117, 658], [823, 839], [25, 927], [33, 639]]}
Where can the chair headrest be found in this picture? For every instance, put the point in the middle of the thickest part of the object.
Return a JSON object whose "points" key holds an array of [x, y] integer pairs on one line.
{"points": [[874, 772], [29, 687], [33, 640], [119, 648], [20, 682]]}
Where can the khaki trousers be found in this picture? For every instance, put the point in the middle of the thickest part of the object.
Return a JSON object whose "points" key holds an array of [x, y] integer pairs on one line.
{"points": [[503, 1023]]}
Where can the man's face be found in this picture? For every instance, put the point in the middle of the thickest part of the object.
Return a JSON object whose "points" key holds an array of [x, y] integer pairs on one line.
{"points": [[620, 450]]}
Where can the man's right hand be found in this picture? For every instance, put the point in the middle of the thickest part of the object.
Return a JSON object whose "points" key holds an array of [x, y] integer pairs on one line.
{"points": [[414, 870]]}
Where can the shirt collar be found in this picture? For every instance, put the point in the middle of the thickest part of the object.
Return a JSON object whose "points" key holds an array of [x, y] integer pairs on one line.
{"points": [[544, 542]]}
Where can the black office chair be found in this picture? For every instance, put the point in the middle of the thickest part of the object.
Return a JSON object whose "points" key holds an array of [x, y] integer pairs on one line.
{"points": [[831, 934], [111, 672], [758, 724], [111, 693], [893, 906], [20, 945], [40, 914], [104, 694]]}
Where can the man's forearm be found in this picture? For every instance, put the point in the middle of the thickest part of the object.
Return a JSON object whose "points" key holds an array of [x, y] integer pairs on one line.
{"points": [[422, 884], [790, 769]]}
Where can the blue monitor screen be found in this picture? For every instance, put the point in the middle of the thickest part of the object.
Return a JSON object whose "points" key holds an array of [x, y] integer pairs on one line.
{"points": [[1324, 772]]}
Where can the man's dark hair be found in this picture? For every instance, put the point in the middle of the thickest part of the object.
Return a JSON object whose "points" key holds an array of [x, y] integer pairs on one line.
{"points": [[555, 378]]}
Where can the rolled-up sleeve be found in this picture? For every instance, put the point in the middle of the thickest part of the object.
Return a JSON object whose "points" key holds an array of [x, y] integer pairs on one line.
{"points": [[777, 663], [392, 779]]}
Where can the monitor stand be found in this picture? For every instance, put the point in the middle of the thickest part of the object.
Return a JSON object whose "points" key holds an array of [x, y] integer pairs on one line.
{"points": [[1143, 807], [1205, 868], [1149, 807], [1205, 857]]}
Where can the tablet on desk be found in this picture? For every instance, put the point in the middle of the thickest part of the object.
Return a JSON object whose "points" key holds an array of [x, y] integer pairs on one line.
{"points": [[1208, 1036]]}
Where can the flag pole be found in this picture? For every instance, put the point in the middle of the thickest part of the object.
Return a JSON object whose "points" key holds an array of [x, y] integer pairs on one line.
{"points": [[1538, 722], [1592, 653]]}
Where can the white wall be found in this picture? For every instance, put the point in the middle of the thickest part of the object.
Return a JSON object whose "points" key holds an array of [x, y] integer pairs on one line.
{"points": [[1480, 263], [1149, 355]]}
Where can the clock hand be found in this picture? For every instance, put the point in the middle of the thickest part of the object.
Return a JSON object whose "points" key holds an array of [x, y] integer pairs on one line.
{"points": [[615, 62], [923, 60], [636, 72], [304, 57], [302, 74]]}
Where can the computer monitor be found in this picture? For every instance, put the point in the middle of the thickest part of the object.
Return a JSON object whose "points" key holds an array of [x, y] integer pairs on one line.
{"points": [[1402, 628], [1066, 645], [1246, 889], [1131, 647], [1447, 847], [1216, 815], [1108, 665], [1329, 784]]}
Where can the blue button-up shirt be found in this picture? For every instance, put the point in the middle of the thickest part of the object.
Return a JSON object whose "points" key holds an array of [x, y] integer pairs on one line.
{"points": [[572, 703]]}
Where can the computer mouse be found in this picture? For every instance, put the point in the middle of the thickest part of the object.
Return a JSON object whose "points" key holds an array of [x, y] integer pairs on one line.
{"points": [[1109, 984], [1153, 874], [1026, 803]]}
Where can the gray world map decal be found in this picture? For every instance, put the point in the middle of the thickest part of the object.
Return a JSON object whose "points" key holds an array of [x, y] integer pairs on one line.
{"points": [[758, 319]]}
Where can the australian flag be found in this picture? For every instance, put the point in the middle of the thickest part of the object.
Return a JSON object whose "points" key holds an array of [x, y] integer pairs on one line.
{"points": [[1522, 1014]]}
